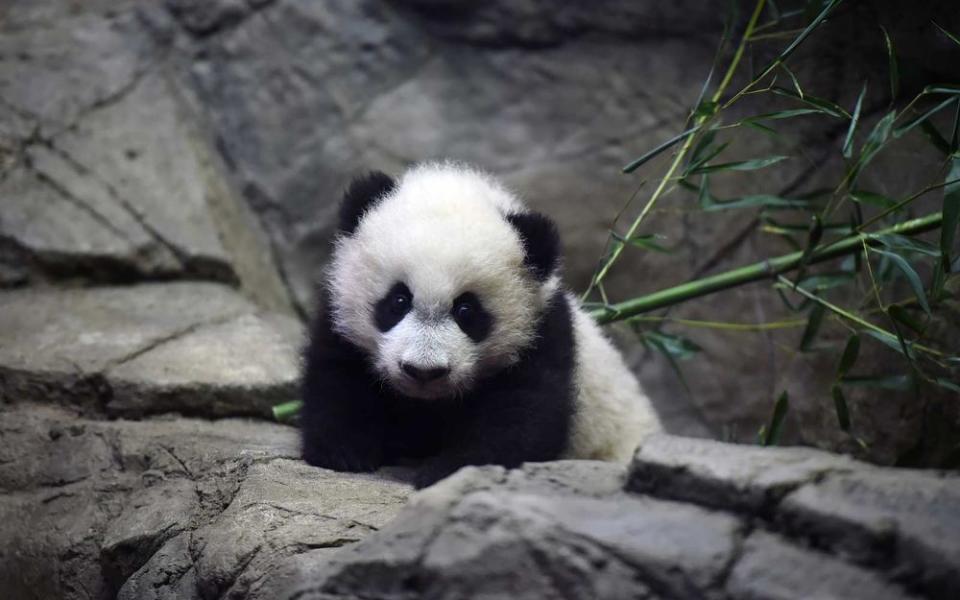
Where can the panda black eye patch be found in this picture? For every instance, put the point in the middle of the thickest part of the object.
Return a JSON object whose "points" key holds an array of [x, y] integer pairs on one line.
{"points": [[391, 309], [471, 317]]}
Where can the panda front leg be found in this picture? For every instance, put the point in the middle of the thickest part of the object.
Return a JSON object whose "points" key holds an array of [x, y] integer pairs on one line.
{"points": [[505, 428], [342, 423]]}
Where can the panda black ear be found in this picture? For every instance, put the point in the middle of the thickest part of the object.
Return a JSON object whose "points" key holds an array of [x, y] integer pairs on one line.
{"points": [[363, 194], [541, 242]]}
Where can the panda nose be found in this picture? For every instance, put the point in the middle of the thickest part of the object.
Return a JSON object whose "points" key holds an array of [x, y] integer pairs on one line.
{"points": [[424, 374]]}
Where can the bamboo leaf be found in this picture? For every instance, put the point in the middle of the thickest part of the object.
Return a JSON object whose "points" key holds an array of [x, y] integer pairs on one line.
{"points": [[874, 199], [812, 328], [903, 243], [923, 118], [705, 141], [942, 88], [646, 242], [675, 345], [820, 105], [939, 279], [600, 307], [874, 143], [793, 78], [904, 348], [707, 156], [938, 141], [807, 31], [947, 384], [892, 59], [912, 278], [824, 281], [835, 227], [633, 166], [952, 37], [951, 213], [850, 353], [786, 301], [772, 432], [840, 404], [783, 114], [879, 135], [903, 316], [763, 200], [955, 138], [741, 165], [892, 342], [661, 344], [764, 129], [815, 234], [848, 142]]}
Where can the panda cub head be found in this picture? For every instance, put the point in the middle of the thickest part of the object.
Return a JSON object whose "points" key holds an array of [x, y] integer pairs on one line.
{"points": [[439, 277]]}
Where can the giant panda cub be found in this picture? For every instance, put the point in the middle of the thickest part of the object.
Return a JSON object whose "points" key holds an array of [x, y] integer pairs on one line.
{"points": [[444, 335]]}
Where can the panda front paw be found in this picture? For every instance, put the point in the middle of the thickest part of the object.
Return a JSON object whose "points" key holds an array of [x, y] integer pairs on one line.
{"points": [[343, 457]]}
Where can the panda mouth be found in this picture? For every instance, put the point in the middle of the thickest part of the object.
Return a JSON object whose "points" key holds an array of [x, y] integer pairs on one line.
{"points": [[430, 386]]}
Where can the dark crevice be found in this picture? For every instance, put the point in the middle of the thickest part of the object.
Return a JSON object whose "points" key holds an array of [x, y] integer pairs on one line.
{"points": [[226, 586], [79, 203], [739, 539], [108, 100], [202, 26], [179, 461], [451, 22]]}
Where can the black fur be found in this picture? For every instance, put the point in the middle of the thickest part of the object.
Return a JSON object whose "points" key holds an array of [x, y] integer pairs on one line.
{"points": [[362, 194], [389, 311], [541, 242], [476, 322], [352, 422]]}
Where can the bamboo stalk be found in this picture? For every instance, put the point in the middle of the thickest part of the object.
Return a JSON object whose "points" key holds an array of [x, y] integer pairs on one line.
{"points": [[684, 149], [287, 410], [757, 271]]}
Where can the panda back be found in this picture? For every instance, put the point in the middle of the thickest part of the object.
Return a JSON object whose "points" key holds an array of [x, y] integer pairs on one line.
{"points": [[613, 415]]}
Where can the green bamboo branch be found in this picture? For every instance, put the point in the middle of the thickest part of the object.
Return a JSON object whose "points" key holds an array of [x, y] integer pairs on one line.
{"points": [[854, 318], [757, 271], [287, 410], [687, 144]]}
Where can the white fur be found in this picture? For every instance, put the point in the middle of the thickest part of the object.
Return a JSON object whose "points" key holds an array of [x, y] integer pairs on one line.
{"points": [[442, 232], [613, 413]]}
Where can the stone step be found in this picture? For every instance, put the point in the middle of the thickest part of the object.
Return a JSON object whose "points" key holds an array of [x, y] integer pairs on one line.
{"points": [[194, 348]]}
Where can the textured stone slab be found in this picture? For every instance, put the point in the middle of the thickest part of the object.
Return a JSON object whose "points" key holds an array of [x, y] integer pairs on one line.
{"points": [[110, 175], [523, 536], [171, 508], [903, 520], [730, 476], [244, 365], [906, 520], [771, 568], [190, 347]]}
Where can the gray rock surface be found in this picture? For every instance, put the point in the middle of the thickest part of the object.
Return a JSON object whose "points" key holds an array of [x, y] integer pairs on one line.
{"points": [[567, 530], [168, 179], [171, 508], [771, 568], [110, 177], [196, 348]]}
